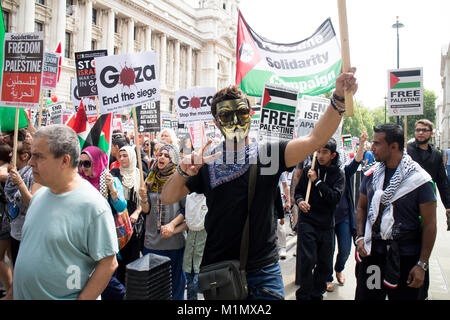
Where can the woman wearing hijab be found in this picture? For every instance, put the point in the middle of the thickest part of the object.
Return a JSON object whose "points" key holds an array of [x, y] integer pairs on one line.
{"points": [[137, 202], [165, 223], [93, 167]]}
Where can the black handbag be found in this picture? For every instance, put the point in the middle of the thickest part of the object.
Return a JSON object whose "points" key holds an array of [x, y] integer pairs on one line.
{"points": [[226, 280]]}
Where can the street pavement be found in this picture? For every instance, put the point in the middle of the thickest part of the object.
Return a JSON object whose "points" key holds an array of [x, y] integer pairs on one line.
{"points": [[439, 266]]}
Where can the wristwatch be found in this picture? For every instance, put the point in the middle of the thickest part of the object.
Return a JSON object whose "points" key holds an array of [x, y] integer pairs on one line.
{"points": [[183, 174], [423, 265]]}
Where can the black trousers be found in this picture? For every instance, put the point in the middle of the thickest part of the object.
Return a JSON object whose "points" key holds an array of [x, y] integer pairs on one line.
{"points": [[315, 256], [370, 276], [14, 249]]}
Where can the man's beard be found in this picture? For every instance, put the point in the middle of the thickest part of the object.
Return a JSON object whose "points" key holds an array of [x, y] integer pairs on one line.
{"points": [[422, 142]]}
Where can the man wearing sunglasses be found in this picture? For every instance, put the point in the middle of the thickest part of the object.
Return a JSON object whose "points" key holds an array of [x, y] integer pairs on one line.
{"points": [[431, 160], [225, 181]]}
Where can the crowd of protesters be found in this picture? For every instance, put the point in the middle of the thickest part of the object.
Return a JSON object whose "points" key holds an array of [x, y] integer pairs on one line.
{"points": [[61, 208]]}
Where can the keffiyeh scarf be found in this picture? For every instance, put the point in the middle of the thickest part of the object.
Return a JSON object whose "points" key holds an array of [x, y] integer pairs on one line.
{"points": [[408, 176], [232, 164]]}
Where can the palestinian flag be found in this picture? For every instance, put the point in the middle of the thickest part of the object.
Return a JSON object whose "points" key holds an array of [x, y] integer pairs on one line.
{"points": [[310, 66], [79, 123], [275, 98], [405, 79], [100, 134]]}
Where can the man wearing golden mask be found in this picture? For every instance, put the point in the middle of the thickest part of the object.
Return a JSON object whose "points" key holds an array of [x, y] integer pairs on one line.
{"points": [[223, 177]]}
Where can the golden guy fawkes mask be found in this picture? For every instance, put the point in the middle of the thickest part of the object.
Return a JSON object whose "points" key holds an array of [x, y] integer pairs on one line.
{"points": [[233, 117]]}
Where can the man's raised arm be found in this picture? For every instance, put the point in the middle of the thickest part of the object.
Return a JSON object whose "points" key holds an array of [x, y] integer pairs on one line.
{"points": [[300, 148]]}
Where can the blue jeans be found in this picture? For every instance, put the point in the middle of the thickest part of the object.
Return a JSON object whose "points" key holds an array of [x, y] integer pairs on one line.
{"points": [[266, 284], [178, 275], [344, 241], [192, 286]]}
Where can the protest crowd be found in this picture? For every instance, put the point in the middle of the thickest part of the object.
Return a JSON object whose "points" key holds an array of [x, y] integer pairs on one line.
{"points": [[83, 201]]}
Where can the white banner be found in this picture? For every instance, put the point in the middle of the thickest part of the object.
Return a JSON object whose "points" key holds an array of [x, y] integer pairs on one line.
{"points": [[127, 80], [194, 104]]}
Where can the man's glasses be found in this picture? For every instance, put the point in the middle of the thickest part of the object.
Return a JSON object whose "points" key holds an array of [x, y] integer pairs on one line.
{"points": [[423, 130], [86, 164], [243, 115]]}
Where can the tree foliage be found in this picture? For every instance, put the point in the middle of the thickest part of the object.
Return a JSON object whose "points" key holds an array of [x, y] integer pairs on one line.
{"points": [[376, 116]]}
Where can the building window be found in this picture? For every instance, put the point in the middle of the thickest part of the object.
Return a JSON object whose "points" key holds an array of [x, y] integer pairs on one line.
{"points": [[40, 2], [116, 22], [38, 26], [69, 6], [6, 20], [94, 16], [68, 45], [135, 33], [116, 50], [171, 104], [224, 6], [93, 45]]}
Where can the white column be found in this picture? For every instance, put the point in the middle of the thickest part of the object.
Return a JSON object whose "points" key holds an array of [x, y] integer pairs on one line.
{"points": [[148, 39], [110, 32], [189, 67], [26, 16], [163, 66], [58, 26], [87, 37], [176, 63], [130, 36]]}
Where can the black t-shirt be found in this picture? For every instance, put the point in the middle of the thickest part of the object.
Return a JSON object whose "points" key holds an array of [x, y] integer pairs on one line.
{"points": [[406, 211], [227, 211]]}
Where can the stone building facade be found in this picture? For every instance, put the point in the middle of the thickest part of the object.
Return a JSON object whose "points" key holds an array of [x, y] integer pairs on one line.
{"points": [[195, 44], [443, 107]]}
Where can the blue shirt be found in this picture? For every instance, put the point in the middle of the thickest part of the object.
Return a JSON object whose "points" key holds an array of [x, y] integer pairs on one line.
{"points": [[368, 155]]}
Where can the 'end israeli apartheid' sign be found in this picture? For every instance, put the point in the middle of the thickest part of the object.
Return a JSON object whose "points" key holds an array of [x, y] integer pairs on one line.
{"points": [[126, 80], [405, 92], [279, 105], [194, 104]]}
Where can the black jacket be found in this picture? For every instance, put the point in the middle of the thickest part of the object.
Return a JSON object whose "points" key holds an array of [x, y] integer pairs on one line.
{"points": [[431, 160], [324, 197]]}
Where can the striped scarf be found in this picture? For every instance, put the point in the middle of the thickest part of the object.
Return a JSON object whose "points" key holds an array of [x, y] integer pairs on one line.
{"points": [[408, 176]]}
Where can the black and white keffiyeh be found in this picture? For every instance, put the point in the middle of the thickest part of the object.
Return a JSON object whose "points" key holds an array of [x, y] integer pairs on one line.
{"points": [[408, 176]]}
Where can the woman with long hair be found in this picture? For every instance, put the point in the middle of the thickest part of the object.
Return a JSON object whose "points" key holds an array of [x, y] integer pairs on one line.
{"points": [[165, 224], [137, 202]]}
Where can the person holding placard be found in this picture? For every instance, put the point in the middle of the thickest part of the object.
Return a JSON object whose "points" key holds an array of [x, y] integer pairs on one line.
{"points": [[315, 238], [225, 183]]}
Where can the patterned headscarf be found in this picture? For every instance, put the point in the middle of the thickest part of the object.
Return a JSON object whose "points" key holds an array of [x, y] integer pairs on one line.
{"points": [[158, 177], [99, 165]]}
